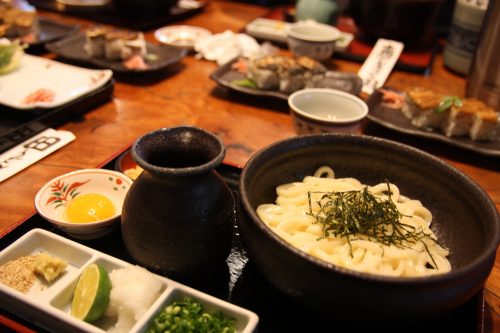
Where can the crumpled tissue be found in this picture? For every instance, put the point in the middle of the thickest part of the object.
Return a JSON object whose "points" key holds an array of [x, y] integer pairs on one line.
{"points": [[226, 46]]}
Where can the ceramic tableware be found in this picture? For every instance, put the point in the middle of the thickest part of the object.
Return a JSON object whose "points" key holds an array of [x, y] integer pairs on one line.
{"points": [[318, 110], [54, 198], [177, 217], [465, 220]]}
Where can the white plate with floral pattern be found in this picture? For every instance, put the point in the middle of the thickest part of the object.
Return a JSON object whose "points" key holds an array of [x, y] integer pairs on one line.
{"points": [[43, 83]]}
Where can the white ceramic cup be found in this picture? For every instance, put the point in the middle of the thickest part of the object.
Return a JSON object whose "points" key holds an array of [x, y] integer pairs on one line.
{"points": [[315, 40]]}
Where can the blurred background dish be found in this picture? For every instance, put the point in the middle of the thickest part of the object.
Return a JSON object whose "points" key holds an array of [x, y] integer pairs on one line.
{"points": [[183, 36], [326, 110], [143, 8], [94, 195], [343, 293], [84, 3], [402, 20]]}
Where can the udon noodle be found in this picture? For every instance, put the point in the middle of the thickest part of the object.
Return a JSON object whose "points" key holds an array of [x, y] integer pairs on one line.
{"points": [[294, 218]]}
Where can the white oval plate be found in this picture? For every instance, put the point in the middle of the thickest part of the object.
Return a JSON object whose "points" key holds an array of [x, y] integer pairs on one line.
{"points": [[67, 82], [184, 36]]}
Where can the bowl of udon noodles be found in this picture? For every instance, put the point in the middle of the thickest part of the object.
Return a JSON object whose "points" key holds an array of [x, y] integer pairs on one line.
{"points": [[358, 227]]}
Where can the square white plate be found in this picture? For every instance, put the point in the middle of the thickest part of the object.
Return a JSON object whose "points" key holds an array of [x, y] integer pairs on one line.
{"points": [[49, 306], [67, 82]]}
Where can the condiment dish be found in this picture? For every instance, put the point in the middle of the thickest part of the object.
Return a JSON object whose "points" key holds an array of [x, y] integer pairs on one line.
{"points": [[49, 306], [312, 39], [464, 220], [53, 199], [318, 110]]}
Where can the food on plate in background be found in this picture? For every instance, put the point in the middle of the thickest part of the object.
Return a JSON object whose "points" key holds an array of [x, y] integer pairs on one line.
{"points": [[371, 229], [18, 23], [117, 45], [188, 315], [450, 114], [49, 267], [89, 207], [284, 74], [134, 291], [91, 295], [11, 54], [39, 95]]}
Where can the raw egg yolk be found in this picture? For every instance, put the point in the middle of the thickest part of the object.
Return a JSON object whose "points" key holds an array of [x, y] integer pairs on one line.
{"points": [[89, 207]]}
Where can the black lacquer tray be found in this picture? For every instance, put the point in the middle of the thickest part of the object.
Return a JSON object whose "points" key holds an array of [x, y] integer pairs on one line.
{"points": [[108, 15], [241, 283], [395, 120]]}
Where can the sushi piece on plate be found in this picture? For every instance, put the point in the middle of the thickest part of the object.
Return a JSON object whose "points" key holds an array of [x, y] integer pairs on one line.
{"points": [[460, 118], [422, 107], [95, 42], [486, 125]]}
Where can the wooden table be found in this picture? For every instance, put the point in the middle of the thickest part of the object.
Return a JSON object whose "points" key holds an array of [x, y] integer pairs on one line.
{"points": [[246, 124]]}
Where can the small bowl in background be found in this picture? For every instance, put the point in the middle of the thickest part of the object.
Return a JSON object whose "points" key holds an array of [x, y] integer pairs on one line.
{"points": [[182, 36], [52, 199], [311, 39], [318, 110]]}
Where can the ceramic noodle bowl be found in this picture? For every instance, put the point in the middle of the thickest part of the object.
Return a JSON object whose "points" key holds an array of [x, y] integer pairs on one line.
{"points": [[465, 220], [178, 215]]}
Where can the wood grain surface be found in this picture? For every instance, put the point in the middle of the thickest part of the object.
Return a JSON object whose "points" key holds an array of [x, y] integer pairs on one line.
{"points": [[186, 95]]}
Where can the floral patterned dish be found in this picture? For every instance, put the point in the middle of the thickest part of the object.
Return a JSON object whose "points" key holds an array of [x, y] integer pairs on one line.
{"points": [[53, 198]]}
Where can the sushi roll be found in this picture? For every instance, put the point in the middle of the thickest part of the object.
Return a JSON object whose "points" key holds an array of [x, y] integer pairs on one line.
{"points": [[291, 75], [26, 23], [486, 125], [422, 108], [460, 118], [9, 19], [95, 42], [134, 45], [114, 44], [264, 72]]}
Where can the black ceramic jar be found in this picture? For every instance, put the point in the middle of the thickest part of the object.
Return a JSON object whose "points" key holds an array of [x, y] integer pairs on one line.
{"points": [[178, 215]]}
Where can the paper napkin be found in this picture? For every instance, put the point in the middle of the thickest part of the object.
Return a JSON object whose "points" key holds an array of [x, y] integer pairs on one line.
{"points": [[32, 150]]}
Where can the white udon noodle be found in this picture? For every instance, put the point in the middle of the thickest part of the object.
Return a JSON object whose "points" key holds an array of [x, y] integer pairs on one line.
{"points": [[289, 219]]}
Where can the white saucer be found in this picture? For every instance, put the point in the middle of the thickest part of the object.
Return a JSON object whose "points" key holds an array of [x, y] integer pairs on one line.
{"points": [[183, 36]]}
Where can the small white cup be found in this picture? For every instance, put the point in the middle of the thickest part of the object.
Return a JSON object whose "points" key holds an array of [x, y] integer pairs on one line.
{"points": [[315, 40], [318, 110]]}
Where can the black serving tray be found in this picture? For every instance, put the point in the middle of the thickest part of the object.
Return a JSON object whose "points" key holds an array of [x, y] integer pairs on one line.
{"points": [[17, 126], [394, 119], [73, 49], [108, 15], [225, 75], [50, 31], [241, 283]]}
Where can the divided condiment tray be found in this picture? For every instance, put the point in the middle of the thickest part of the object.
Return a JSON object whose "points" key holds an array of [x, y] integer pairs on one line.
{"points": [[49, 305]]}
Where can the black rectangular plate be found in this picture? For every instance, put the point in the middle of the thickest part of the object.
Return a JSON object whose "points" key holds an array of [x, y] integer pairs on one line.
{"points": [[395, 120], [73, 48], [107, 15]]}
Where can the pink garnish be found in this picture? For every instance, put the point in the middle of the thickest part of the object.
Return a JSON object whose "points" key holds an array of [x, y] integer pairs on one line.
{"points": [[40, 95], [392, 99], [29, 38], [135, 62], [240, 65]]}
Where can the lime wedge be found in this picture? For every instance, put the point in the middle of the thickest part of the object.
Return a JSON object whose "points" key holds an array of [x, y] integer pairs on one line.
{"points": [[91, 296]]}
